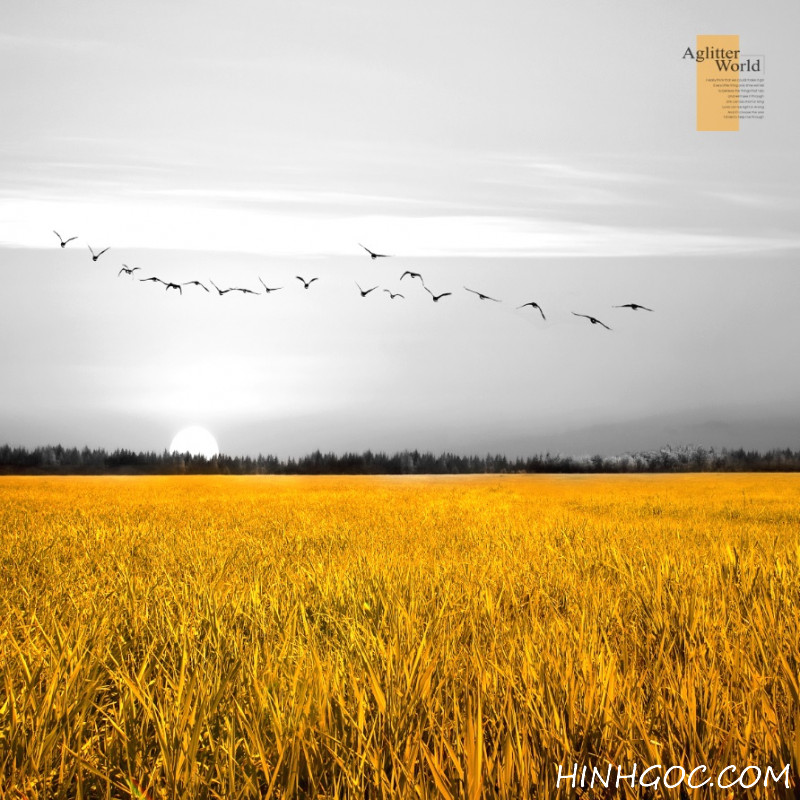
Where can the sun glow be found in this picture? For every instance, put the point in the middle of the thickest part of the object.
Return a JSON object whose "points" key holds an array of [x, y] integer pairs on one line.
{"points": [[195, 440]]}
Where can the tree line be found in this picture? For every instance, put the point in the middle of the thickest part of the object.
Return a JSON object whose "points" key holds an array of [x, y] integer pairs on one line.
{"points": [[58, 460]]}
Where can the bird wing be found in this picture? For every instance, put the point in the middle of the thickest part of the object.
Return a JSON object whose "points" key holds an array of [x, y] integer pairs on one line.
{"points": [[445, 294], [121, 271], [59, 235], [300, 279], [263, 284], [473, 291], [585, 316], [541, 312], [313, 279], [367, 249], [90, 249], [71, 239], [604, 325], [103, 251]]}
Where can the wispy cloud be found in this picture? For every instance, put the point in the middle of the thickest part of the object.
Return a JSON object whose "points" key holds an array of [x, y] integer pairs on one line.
{"points": [[754, 199], [572, 171], [171, 225], [17, 41]]}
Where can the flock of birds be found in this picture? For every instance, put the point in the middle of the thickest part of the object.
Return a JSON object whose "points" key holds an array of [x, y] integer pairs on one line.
{"points": [[126, 270]]}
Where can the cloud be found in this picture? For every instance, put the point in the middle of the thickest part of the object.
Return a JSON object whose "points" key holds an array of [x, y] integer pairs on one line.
{"points": [[169, 224], [571, 171], [753, 199], [15, 41]]}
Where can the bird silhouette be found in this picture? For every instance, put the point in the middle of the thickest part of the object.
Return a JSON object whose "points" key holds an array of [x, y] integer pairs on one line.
{"points": [[127, 270], [593, 320], [220, 291], [64, 242], [306, 283], [482, 296], [195, 283], [413, 275], [437, 297], [167, 284], [372, 255], [533, 305], [267, 289], [95, 256], [634, 307], [392, 295], [365, 292], [243, 291]]}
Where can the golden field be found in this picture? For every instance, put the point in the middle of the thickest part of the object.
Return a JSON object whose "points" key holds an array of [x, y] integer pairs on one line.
{"points": [[225, 637]]}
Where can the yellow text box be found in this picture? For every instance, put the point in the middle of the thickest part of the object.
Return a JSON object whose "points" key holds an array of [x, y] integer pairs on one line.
{"points": [[717, 60]]}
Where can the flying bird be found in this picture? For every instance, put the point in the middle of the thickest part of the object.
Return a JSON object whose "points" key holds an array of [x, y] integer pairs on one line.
{"points": [[533, 305], [243, 291], [268, 289], [413, 275], [127, 270], [95, 256], [306, 283], [483, 296], [167, 284], [437, 297], [64, 242], [220, 291], [593, 320], [230, 289], [373, 256], [365, 292], [195, 283], [634, 307], [392, 295]]}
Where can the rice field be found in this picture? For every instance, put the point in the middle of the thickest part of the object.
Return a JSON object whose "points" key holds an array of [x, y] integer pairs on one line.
{"points": [[469, 637]]}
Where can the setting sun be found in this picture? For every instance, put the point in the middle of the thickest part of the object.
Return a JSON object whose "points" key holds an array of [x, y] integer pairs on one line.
{"points": [[195, 440]]}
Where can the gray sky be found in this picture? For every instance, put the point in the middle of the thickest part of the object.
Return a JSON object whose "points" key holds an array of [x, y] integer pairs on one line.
{"points": [[529, 151]]}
